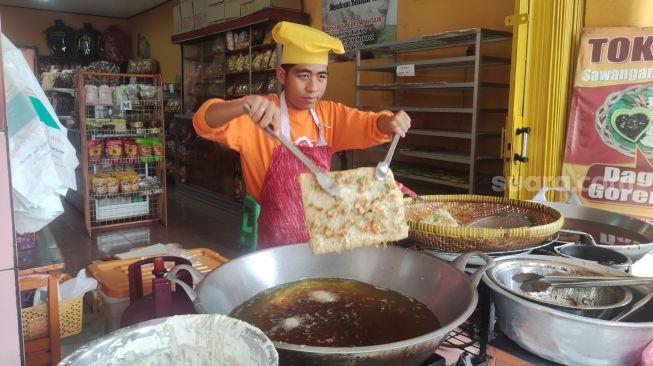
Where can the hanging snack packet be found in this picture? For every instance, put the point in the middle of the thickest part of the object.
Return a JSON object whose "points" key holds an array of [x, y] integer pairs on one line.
{"points": [[157, 148], [94, 151], [125, 182], [135, 180], [144, 149], [99, 183], [131, 151], [113, 184], [114, 151]]}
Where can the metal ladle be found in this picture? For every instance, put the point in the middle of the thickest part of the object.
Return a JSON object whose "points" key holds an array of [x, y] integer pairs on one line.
{"points": [[533, 282], [382, 167]]}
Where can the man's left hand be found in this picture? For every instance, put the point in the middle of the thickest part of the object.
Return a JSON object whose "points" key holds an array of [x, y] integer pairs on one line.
{"points": [[398, 123]]}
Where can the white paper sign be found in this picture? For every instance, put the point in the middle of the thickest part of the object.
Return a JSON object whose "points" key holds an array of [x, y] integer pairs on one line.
{"points": [[171, 88], [126, 105], [406, 70]]}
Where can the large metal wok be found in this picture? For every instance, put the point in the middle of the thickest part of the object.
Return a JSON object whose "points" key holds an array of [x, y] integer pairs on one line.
{"points": [[567, 338], [573, 210], [443, 287]]}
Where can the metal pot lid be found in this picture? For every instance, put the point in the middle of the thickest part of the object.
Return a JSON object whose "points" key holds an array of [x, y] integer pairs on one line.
{"points": [[571, 299]]}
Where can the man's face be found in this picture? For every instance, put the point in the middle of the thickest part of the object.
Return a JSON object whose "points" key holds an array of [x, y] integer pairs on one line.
{"points": [[304, 84]]}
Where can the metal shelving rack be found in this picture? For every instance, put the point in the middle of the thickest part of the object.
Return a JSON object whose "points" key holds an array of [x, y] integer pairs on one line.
{"points": [[419, 54], [144, 200]]}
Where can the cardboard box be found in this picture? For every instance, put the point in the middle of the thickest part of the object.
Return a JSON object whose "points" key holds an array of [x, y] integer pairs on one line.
{"points": [[176, 19], [232, 8], [284, 4], [215, 12], [246, 8], [200, 9], [186, 15]]}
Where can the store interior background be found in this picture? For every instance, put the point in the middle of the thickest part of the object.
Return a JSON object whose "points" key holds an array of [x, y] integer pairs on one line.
{"points": [[207, 226], [25, 26]]}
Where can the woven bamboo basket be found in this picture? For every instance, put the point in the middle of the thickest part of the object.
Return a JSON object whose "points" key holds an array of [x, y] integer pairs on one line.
{"points": [[466, 208], [36, 322]]}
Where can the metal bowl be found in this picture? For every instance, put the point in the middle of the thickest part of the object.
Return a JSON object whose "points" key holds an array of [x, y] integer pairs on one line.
{"points": [[600, 255], [573, 210], [593, 302], [569, 339], [211, 340]]}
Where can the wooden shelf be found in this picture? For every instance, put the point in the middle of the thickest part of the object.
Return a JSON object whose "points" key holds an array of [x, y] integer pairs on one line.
{"points": [[69, 91], [443, 63], [259, 16], [420, 178], [266, 46], [442, 85], [449, 133], [254, 72], [450, 156]]}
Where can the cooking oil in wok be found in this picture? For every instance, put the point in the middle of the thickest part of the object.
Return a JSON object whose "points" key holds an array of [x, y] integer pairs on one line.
{"points": [[332, 312], [604, 234]]}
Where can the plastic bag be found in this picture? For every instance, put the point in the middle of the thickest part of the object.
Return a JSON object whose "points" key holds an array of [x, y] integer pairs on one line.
{"points": [[70, 289], [42, 159]]}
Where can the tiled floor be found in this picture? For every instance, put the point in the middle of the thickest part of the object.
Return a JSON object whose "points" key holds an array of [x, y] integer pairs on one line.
{"points": [[191, 223]]}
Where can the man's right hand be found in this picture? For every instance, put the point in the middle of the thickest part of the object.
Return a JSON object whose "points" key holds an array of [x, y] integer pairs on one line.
{"points": [[263, 112]]}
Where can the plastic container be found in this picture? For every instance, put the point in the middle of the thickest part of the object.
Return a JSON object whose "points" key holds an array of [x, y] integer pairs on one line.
{"points": [[113, 282]]}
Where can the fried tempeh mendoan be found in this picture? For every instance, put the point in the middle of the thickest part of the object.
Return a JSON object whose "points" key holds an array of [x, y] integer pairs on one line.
{"points": [[368, 211]]}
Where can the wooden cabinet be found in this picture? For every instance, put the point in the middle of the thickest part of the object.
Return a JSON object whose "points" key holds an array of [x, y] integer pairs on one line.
{"points": [[225, 60], [455, 87]]}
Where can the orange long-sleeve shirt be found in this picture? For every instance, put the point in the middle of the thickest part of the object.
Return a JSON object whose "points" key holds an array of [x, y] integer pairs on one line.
{"points": [[344, 128]]}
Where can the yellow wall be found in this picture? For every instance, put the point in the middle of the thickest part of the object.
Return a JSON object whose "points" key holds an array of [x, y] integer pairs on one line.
{"points": [[26, 27], [156, 25], [416, 18], [618, 13]]}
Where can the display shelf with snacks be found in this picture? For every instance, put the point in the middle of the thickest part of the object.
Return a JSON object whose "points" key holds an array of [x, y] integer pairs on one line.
{"points": [[234, 59], [123, 149], [455, 87], [172, 105]]}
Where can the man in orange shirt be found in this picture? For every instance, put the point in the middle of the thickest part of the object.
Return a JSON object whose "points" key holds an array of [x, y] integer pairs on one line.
{"points": [[317, 127]]}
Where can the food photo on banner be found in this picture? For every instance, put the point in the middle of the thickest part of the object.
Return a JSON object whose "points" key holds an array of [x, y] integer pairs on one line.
{"points": [[609, 148], [359, 22]]}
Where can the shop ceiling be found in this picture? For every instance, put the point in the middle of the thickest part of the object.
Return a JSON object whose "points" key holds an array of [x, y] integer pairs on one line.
{"points": [[107, 8]]}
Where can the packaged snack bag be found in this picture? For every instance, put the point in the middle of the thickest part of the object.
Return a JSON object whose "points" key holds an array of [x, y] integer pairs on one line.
{"points": [[144, 149], [94, 151], [136, 181], [91, 94], [131, 151], [114, 151], [157, 148], [125, 182], [105, 95], [113, 184], [99, 184]]}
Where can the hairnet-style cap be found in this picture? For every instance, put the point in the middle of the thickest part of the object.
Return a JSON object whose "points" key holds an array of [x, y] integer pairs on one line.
{"points": [[305, 45]]}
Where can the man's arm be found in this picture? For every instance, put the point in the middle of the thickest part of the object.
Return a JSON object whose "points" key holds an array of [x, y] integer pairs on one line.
{"points": [[398, 123], [262, 111]]}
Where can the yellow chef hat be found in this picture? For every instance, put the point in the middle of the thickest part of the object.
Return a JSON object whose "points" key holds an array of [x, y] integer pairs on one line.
{"points": [[305, 45]]}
